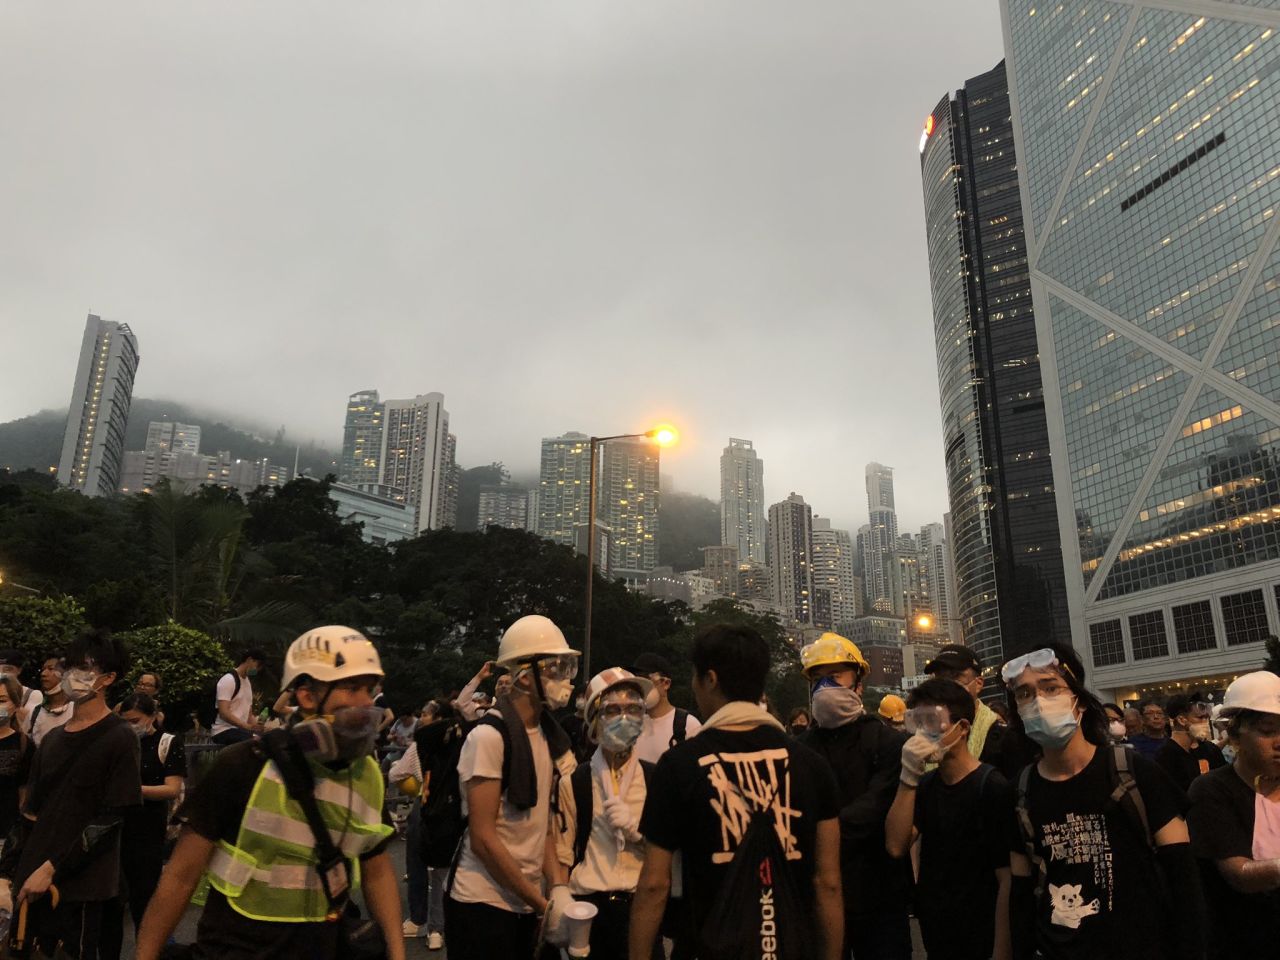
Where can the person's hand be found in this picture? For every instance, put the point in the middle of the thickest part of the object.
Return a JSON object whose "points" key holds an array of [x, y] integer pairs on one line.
{"points": [[486, 671], [38, 883], [918, 751], [554, 930], [6, 896], [618, 812]]}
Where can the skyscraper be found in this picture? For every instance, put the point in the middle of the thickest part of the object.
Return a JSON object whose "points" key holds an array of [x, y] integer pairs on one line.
{"points": [[790, 558], [362, 439], [837, 594], [879, 487], [503, 506], [165, 436], [742, 516], [563, 487], [934, 582], [881, 575], [1009, 593], [627, 503], [415, 457], [1146, 139], [93, 444]]}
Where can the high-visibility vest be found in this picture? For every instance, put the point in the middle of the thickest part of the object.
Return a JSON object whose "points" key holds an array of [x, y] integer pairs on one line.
{"points": [[270, 873], [983, 720]]}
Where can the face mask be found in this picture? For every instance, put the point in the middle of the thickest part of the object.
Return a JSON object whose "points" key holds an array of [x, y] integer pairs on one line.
{"points": [[620, 733], [140, 729], [1116, 729], [799, 729], [556, 693], [251, 672], [833, 705], [348, 734], [4, 714], [78, 685], [1228, 753], [1050, 721], [1200, 731]]}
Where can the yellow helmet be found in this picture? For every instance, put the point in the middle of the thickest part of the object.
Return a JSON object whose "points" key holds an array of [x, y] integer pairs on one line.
{"points": [[893, 708], [832, 648]]}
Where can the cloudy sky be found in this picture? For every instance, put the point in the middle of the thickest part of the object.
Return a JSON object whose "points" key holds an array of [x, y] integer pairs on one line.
{"points": [[564, 215]]}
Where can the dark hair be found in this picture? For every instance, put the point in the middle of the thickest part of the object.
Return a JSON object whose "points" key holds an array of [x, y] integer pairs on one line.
{"points": [[12, 658], [649, 662], [798, 712], [1179, 705], [1244, 719], [1107, 708], [252, 653], [999, 708], [944, 693], [151, 673], [107, 653], [1152, 703], [738, 655], [140, 702], [1093, 721]]}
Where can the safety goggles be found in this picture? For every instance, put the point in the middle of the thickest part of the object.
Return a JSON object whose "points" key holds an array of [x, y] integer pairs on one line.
{"points": [[932, 721], [1041, 659], [611, 711], [562, 667]]}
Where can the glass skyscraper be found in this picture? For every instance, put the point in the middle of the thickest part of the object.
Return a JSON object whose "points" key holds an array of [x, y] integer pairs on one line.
{"points": [[362, 439], [1009, 594], [1147, 137]]}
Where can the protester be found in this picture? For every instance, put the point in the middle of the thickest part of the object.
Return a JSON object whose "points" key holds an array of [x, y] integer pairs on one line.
{"points": [[234, 700], [1154, 732], [142, 841], [55, 708], [962, 813], [1105, 869], [268, 888], [865, 755], [470, 702], [83, 779], [1189, 751], [440, 820], [1132, 722], [893, 710], [1001, 710], [507, 772], [16, 750], [406, 776], [11, 664], [741, 781], [400, 735], [150, 684], [798, 722], [1116, 732], [598, 841], [1235, 824], [666, 724], [957, 662]]}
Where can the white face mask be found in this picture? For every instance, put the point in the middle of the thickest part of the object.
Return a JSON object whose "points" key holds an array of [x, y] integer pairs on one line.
{"points": [[556, 693], [78, 685], [1116, 729]]}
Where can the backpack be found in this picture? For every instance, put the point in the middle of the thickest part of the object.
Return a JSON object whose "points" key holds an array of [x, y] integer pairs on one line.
{"points": [[208, 714], [679, 724], [584, 806], [1124, 794], [440, 819]]}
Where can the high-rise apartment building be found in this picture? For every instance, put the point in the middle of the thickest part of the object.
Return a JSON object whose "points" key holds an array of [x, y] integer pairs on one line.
{"points": [[1146, 137], [362, 439], [837, 594], [503, 506], [720, 565], [452, 483], [879, 487], [1009, 592], [627, 503], [882, 578], [415, 457], [935, 583], [564, 487], [742, 515], [791, 558], [165, 436], [93, 444]]}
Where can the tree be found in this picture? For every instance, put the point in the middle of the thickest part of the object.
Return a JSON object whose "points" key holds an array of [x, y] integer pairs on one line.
{"points": [[37, 626], [188, 661]]}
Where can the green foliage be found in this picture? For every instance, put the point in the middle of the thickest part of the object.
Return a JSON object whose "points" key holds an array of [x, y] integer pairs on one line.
{"points": [[36, 625], [189, 663], [469, 483], [34, 441], [686, 524]]}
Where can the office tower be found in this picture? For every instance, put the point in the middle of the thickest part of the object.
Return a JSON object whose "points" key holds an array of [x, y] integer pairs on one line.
{"points": [[165, 436], [908, 585], [564, 479], [1146, 138], [627, 503], [791, 553], [503, 506], [93, 444], [1009, 591], [362, 439], [836, 591], [935, 587], [882, 577], [742, 516], [879, 487], [414, 457], [720, 565]]}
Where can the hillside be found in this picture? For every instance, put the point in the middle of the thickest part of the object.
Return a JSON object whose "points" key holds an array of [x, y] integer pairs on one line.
{"points": [[36, 441], [686, 524]]}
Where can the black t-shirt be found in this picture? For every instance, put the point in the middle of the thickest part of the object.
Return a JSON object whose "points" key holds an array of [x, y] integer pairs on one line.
{"points": [[966, 832], [15, 767], [153, 815], [690, 807], [76, 779], [214, 810], [1103, 897], [1221, 821], [1183, 766]]}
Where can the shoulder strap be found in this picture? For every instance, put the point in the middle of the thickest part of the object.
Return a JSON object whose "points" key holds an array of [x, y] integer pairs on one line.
{"points": [[646, 768], [489, 720], [1125, 793], [166, 741], [679, 727], [1028, 831], [584, 805], [31, 727]]}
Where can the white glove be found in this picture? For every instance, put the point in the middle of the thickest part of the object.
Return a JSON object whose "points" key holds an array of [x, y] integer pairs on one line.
{"points": [[918, 751], [554, 930], [618, 812]]}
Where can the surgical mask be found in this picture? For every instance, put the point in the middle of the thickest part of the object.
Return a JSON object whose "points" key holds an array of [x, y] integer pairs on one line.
{"points": [[251, 672], [1228, 753], [619, 734], [799, 729], [140, 729], [1050, 721], [78, 685], [4, 715], [1116, 729], [1200, 731], [833, 705], [556, 693]]}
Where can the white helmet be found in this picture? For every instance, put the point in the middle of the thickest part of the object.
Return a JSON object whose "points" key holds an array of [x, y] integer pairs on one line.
{"points": [[1258, 691], [328, 654], [529, 638], [607, 680]]}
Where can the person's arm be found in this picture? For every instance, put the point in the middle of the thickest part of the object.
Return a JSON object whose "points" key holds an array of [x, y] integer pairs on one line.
{"points": [[169, 790], [1250, 876], [828, 903], [1003, 943], [382, 896], [473, 685], [565, 828], [178, 882], [899, 827], [649, 901], [283, 706], [1187, 914], [484, 794]]}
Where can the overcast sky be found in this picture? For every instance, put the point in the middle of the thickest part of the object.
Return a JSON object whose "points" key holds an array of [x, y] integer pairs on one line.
{"points": [[563, 215]]}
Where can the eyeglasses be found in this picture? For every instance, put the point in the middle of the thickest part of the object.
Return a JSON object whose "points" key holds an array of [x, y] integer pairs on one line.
{"points": [[612, 711], [930, 720], [1040, 659], [563, 667]]}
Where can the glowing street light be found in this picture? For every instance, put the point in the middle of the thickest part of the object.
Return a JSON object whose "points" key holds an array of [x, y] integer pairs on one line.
{"points": [[15, 584]]}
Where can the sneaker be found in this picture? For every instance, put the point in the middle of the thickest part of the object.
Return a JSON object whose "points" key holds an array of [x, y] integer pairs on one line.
{"points": [[411, 929], [435, 940]]}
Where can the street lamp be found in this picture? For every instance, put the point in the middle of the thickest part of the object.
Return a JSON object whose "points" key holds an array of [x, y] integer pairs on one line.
{"points": [[14, 583], [664, 435]]}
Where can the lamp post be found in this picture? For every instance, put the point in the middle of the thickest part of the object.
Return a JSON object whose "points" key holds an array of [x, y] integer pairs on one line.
{"points": [[14, 583], [663, 436]]}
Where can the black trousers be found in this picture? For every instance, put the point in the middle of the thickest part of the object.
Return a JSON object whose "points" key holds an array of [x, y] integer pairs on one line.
{"points": [[612, 925], [74, 926], [477, 931], [878, 936]]}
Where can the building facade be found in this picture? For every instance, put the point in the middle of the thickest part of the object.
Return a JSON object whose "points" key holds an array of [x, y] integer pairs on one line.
{"points": [[362, 439], [503, 506], [791, 556], [415, 457], [93, 443], [742, 514], [1146, 138], [1010, 593], [837, 593], [720, 565], [564, 487], [165, 436], [627, 503], [384, 519]]}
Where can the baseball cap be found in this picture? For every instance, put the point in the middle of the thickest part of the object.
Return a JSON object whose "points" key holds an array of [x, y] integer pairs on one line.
{"points": [[954, 656], [648, 663]]}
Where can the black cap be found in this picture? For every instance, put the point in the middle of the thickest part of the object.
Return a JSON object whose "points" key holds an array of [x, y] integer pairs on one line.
{"points": [[648, 663], [11, 658], [954, 656]]}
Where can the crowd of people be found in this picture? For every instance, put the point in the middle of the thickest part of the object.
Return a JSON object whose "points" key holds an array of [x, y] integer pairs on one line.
{"points": [[1042, 823]]}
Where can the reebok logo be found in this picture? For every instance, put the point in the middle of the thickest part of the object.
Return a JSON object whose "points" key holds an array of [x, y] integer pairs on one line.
{"points": [[768, 926]]}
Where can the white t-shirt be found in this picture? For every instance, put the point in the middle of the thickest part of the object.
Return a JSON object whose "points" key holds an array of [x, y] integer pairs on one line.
{"points": [[47, 719], [241, 703], [522, 832], [604, 868], [655, 739], [31, 698]]}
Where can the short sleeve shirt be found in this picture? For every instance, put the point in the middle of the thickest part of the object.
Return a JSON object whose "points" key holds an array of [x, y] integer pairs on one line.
{"points": [[15, 766], [241, 701], [1183, 766], [655, 738]]}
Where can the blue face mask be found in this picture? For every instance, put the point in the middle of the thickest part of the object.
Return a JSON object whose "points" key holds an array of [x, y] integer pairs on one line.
{"points": [[1050, 721], [620, 733]]}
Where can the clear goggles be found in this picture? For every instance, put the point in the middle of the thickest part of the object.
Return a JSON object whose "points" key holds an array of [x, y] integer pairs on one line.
{"points": [[1041, 659], [932, 721], [562, 667], [631, 709]]}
